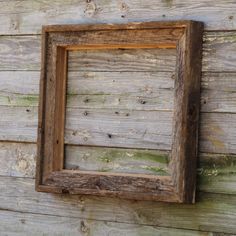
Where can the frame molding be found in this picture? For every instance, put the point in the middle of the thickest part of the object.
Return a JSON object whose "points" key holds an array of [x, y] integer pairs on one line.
{"points": [[186, 37]]}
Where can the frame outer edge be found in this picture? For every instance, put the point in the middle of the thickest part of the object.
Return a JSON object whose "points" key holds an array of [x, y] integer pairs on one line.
{"points": [[41, 108], [191, 26], [194, 64]]}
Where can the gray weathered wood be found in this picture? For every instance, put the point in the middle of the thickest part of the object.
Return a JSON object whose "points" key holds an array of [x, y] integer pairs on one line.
{"points": [[215, 134], [20, 124], [217, 90], [121, 90], [17, 159], [117, 160], [215, 55], [131, 129], [19, 88], [26, 224], [218, 132], [212, 211], [19, 52], [23, 52], [26, 17], [216, 173], [122, 60]]}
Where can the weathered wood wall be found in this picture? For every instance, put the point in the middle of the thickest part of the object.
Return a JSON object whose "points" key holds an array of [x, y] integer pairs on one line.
{"points": [[26, 212]]}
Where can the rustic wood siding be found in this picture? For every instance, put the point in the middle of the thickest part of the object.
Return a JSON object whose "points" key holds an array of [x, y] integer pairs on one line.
{"points": [[26, 212]]}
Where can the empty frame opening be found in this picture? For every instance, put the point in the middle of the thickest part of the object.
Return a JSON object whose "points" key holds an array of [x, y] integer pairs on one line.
{"points": [[119, 110]]}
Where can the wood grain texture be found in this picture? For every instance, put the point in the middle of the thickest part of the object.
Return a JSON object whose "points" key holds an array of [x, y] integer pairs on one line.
{"points": [[212, 211], [116, 160], [127, 186], [28, 56], [26, 224], [216, 136], [17, 159], [107, 36], [20, 123], [216, 172], [26, 17], [122, 127], [50, 176], [184, 150], [131, 129], [19, 88], [217, 90], [123, 60], [217, 57], [121, 90], [60, 104], [20, 52], [220, 132]]}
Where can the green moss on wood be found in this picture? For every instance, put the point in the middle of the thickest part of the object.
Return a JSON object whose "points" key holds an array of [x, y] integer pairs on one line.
{"points": [[168, 3], [19, 100], [157, 157], [30, 98], [215, 165], [112, 155], [157, 170], [105, 170], [216, 168]]}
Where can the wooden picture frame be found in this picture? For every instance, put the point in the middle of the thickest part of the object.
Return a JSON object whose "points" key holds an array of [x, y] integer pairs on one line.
{"points": [[186, 37]]}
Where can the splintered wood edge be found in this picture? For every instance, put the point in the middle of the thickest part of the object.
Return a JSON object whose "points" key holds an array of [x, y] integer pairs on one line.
{"points": [[50, 176], [128, 26]]}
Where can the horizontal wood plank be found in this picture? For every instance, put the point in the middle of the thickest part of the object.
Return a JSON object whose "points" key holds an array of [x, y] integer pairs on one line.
{"points": [[216, 136], [19, 88], [27, 17], [86, 127], [23, 53], [121, 90], [17, 159], [116, 160], [217, 90], [20, 53], [216, 172], [218, 51], [127, 128], [122, 60], [212, 211], [27, 224], [19, 123]]}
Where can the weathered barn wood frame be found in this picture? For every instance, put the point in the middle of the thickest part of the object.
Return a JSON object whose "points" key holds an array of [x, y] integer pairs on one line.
{"points": [[186, 37]]}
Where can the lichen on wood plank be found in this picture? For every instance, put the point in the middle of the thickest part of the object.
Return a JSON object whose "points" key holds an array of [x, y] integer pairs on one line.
{"points": [[117, 160]]}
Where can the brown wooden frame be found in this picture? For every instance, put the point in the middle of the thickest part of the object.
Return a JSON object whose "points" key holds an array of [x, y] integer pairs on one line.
{"points": [[186, 37]]}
